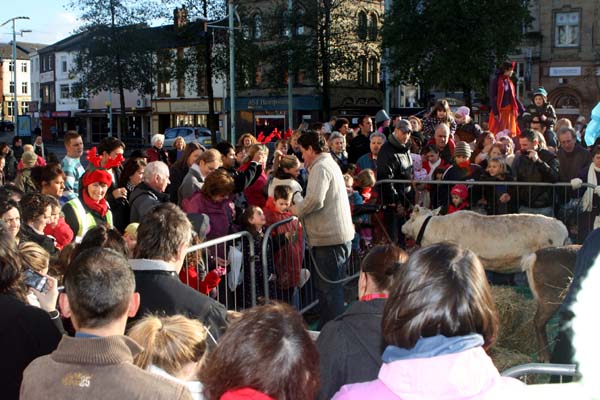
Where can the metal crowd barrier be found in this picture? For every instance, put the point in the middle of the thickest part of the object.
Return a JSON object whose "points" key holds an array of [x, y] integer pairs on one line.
{"points": [[562, 202], [233, 290], [285, 246], [524, 371]]}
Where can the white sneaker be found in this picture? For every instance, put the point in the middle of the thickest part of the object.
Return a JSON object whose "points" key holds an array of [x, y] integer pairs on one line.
{"points": [[304, 276]]}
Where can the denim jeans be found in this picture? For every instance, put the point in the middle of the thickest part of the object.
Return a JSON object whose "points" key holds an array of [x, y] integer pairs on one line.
{"points": [[331, 262]]}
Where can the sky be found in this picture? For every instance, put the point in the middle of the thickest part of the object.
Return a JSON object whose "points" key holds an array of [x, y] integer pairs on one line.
{"points": [[50, 20]]}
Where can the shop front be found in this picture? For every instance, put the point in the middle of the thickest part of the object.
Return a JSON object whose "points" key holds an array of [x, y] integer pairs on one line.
{"points": [[169, 113]]}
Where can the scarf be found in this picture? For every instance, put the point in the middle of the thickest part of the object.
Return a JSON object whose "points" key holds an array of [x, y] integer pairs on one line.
{"points": [[100, 207], [588, 196], [501, 80]]}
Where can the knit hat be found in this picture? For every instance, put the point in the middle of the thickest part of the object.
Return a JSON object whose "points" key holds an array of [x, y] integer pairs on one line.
{"points": [[540, 92], [29, 159], [98, 173], [462, 149], [462, 111], [381, 116], [460, 191], [132, 229]]}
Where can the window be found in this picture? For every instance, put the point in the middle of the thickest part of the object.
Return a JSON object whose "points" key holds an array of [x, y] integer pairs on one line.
{"points": [[300, 23], [362, 25], [64, 91], [24, 67], [10, 66], [24, 107], [256, 27], [373, 27], [11, 87], [24, 89], [362, 71], [63, 64], [36, 64], [372, 72], [10, 106], [566, 29]]}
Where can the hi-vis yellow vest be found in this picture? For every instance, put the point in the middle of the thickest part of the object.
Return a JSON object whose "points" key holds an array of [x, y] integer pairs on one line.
{"points": [[85, 218]]}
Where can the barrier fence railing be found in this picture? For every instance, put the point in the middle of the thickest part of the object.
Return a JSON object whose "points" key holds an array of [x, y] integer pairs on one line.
{"points": [[527, 370], [559, 200], [285, 248], [235, 253]]}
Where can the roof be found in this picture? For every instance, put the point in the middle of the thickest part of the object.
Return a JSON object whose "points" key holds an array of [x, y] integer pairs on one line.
{"points": [[24, 50], [159, 37]]}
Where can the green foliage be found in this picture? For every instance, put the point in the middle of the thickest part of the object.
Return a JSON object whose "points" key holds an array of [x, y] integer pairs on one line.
{"points": [[452, 44], [114, 52]]}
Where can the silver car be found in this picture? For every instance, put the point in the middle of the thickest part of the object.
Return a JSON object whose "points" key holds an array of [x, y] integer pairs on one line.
{"points": [[190, 134]]}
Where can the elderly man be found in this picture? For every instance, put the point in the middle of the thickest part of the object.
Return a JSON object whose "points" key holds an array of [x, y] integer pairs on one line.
{"points": [[151, 192], [443, 142], [325, 213]]}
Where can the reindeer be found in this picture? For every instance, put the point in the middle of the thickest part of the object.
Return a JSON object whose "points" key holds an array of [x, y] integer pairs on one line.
{"points": [[549, 272]]}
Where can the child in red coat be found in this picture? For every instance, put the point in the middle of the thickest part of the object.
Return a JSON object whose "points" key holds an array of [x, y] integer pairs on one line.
{"points": [[459, 195], [288, 254]]}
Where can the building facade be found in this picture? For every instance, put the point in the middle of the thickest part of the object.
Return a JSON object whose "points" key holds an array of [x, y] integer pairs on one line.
{"points": [[561, 53], [23, 89], [354, 30]]}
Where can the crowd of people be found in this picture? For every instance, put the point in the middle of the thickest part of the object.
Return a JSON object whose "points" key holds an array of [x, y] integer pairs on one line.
{"points": [[110, 233]]}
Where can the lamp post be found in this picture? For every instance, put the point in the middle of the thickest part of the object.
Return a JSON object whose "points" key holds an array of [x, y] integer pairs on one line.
{"points": [[109, 108], [14, 60]]}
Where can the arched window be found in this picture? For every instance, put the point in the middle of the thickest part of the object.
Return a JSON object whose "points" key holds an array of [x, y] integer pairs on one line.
{"points": [[362, 25], [362, 71], [373, 27]]}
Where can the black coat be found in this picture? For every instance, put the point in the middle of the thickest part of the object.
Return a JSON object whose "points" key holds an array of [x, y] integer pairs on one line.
{"points": [[357, 147], [27, 234], [350, 347], [162, 292], [394, 162], [26, 333], [544, 170]]}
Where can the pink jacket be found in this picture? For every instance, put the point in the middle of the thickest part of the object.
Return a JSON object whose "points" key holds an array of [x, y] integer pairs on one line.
{"points": [[469, 374]]}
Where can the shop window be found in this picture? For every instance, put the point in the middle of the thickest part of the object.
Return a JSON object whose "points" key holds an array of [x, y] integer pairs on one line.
{"points": [[24, 107]]}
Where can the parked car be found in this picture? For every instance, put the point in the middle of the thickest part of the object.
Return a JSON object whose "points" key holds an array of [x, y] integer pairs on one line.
{"points": [[6, 126], [190, 134]]}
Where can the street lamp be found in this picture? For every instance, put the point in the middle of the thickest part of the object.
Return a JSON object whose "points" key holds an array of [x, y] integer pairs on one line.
{"points": [[14, 60]]}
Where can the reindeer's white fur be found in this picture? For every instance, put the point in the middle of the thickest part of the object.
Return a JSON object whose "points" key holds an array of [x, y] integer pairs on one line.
{"points": [[499, 240]]}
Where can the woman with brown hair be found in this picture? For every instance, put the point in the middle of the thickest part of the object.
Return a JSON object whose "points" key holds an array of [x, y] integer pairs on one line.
{"points": [[438, 321], [266, 354], [246, 140], [131, 176], [350, 346], [180, 168]]}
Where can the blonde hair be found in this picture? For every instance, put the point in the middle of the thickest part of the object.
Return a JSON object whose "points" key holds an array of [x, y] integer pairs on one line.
{"points": [[287, 161], [27, 147], [169, 342], [34, 256], [177, 140], [255, 148], [563, 123]]}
